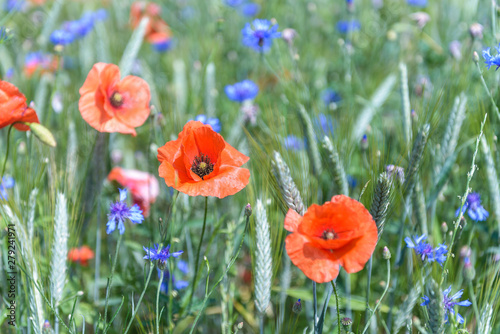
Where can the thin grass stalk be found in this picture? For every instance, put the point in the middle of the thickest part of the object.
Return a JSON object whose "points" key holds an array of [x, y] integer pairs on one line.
{"points": [[136, 308], [492, 180], [197, 263], [337, 303], [381, 297], [110, 279], [59, 254], [485, 86], [31, 213], [133, 47], [339, 175], [311, 140], [6, 152], [207, 296], [181, 87], [470, 174], [263, 260], [158, 303], [405, 102]]}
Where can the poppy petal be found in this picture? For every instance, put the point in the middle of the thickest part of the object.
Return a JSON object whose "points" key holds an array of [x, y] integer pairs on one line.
{"points": [[292, 220], [316, 263]]}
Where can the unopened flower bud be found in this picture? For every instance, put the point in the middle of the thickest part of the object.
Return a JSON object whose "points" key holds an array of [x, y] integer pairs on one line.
{"points": [[297, 307], [476, 30], [386, 253], [364, 143], [43, 134], [288, 35], [469, 271], [248, 210], [162, 265], [444, 227], [475, 57], [346, 323]]}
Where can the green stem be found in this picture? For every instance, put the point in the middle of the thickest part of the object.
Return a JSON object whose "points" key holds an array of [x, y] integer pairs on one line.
{"points": [[157, 303], [382, 297], [474, 303], [369, 279], [196, 269], [7, 153], [487, 90], [315, 306], [110, 279], [140, 298], [221, 278], [337, 302]]}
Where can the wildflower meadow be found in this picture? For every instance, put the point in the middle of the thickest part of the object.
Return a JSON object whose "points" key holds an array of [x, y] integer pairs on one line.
{"points": [[249, 166]]}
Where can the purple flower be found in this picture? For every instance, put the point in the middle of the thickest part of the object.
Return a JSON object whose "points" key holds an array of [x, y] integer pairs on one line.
{"points": [[474, 208], [214, 122], [178, 284], [259, 35], [163, 45], [250, 9], [490, 60], [159, 253], [119, 212], [345, 27], [325, 124], [449, 303], [330, 96], [294, 143], [242, 91], [425, 250], [233, 3], [417, 3], [61, 37], [7, 183]]}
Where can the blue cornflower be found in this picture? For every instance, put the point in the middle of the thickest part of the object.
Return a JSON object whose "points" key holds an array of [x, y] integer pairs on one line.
{"points": [[119, 212], [234, 3], [490, 60], [417, 3], [325, 124], [345, 27], [61, 37], [260, 37], [449, 304], [294, 143], [178, 284], [352, 181], [81, 27], [425, 250], [330, 96], [474, 208], [100, 14], [212, 121], [163, 45], [250, 9], [242, 91], [160, 253], [7, 183], [15, 5]]}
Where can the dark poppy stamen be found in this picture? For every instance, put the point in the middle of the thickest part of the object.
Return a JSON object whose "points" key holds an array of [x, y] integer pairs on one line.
{"points": [[116, 99], [202, 166], [329, 234]]}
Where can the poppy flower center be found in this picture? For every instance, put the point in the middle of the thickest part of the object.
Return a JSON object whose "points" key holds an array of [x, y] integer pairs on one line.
{"points": [[116, 99], [329, 234], [202, 166]]}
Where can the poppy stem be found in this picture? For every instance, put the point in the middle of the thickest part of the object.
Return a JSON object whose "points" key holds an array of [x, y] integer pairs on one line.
{"points": [[368, 283], [196, 269], [337, 302], [315, 306], [381, 297], [157, 303], [7, 153], [110, 279]]}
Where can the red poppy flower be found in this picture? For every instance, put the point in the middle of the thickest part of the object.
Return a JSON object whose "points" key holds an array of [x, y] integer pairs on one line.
{"points": [[143, 186], [109, 104], [13, 108], [338, 233], [82, 255], [141, 9], [201, 163]]}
